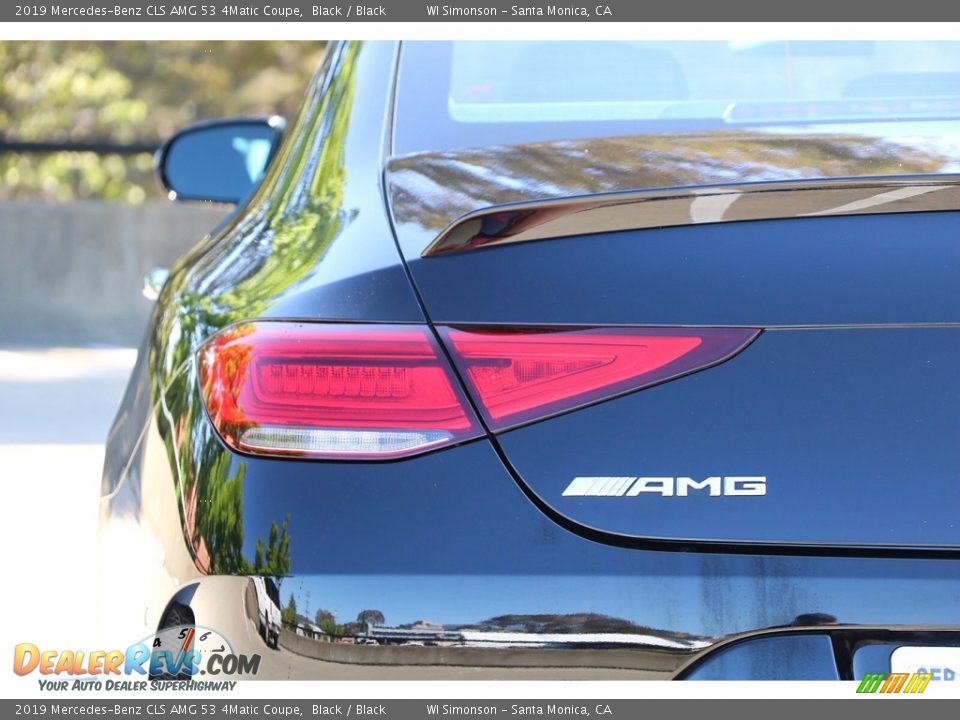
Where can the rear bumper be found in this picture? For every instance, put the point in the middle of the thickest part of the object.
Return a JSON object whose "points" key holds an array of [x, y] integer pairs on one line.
{"points": [[471, 579], [451, 650], [228, 605]]}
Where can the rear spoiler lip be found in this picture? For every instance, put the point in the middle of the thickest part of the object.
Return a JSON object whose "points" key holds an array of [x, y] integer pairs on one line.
{"points": [[695, 205]]}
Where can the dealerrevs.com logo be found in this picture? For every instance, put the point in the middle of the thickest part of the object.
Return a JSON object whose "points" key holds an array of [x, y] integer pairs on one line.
{"points": [[176, 658]]}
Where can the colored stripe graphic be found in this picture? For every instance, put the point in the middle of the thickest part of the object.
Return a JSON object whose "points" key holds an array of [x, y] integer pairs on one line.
{"points": [[894, 683], [871, 682], [918, 683]]}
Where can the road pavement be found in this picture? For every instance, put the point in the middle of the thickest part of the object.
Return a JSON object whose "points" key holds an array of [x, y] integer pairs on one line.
{"points": [[56, 406]]}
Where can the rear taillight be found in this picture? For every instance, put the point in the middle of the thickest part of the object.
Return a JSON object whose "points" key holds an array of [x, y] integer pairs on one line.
{"points": [[372, 392], [333, 391], [519, 375]]}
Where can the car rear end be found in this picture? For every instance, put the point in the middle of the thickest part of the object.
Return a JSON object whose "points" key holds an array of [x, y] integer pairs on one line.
{"points": [[559, 429]]}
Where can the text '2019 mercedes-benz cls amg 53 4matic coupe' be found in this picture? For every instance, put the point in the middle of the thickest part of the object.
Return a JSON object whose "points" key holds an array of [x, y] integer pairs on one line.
{"points": [[558, 360]]}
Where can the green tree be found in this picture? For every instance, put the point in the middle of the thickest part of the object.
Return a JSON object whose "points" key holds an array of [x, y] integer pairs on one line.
{"points": [[289, 613], [328, 623], [219, 520], [275, 560], [370, 617], [126, 92]]}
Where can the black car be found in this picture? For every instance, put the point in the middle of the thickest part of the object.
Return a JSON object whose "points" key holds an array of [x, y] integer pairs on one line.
{"points": [[561, 360]]}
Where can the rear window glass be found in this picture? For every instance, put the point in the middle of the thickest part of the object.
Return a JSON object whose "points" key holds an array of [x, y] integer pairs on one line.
{"points": [[465, 94]]}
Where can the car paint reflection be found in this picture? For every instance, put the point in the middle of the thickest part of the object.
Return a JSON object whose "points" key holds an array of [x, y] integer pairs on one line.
{"points": [[461, 555], [429, 191]]}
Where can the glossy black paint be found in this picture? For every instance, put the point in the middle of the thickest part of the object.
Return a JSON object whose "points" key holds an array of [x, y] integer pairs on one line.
{"points": [[775, 657], [454, 536], [828, 480], [876, 269], [603, 213], [314, 241], [431, 191]]}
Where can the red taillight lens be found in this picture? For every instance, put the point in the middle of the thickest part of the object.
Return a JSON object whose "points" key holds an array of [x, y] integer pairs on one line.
{"points": [[518, 375], [336, 391]]}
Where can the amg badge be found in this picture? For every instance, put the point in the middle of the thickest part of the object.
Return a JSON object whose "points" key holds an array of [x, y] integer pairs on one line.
{"points": [[666, 486]]}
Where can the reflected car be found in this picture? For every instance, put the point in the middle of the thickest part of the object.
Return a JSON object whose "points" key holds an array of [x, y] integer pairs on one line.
{"points": [[560, 360], [268, 609]]}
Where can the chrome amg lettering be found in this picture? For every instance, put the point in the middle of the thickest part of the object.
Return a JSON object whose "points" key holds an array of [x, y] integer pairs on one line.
{"points": [[660, 485], [713, 486], [711, 483], [744, 486]]}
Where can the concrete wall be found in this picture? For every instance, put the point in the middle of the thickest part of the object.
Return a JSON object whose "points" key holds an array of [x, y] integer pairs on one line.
{"points": [[72, 273]]}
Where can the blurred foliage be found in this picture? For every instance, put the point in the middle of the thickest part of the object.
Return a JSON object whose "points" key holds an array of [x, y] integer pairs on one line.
{"points": [[275, 560], [125, 92], [370, 617], [289, 614], [327, 622]]}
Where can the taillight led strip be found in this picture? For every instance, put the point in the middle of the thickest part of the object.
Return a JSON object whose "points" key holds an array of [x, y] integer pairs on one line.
{"points": [[373, 392], [518, 375]]}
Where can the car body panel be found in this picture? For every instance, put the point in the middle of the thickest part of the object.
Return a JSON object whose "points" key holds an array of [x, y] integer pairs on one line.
{"points": [[801, 409], [697, 205], [878, 269], [454, 542], [479, 559], [428, 191]]}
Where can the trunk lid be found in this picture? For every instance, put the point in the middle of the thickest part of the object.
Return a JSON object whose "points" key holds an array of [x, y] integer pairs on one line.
{"points": [[845, 409]]}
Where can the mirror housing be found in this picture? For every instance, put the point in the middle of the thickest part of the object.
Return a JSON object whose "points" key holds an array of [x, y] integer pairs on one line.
{"points": [[154, 281], [219, 160]]}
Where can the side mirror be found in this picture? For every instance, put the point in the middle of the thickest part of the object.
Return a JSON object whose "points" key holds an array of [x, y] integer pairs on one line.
{"points": [[220, 160]]}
